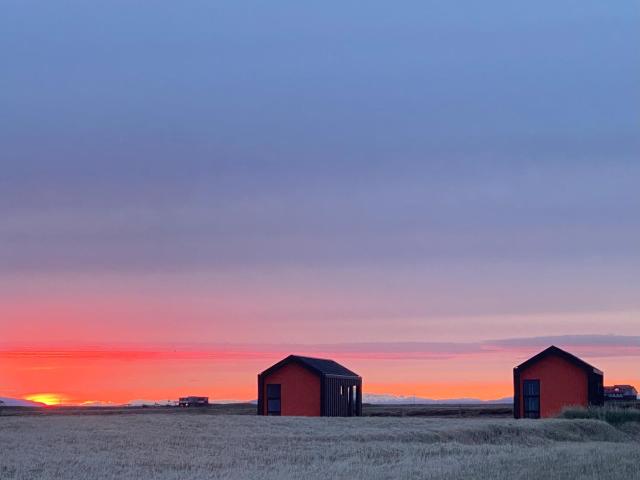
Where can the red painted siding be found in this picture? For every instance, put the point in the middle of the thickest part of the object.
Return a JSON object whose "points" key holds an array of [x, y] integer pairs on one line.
{"points": [[299, 391], [561, 384]]}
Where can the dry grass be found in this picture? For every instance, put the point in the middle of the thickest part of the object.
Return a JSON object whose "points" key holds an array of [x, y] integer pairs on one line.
{"points": [[435, 410], [614, 415], [166, 446], [213, 409], [462, 411]]}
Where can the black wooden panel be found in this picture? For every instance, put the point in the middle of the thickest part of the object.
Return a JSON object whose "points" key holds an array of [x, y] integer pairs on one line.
{"points": [[260, 395], [596, 389], [341, 396]]}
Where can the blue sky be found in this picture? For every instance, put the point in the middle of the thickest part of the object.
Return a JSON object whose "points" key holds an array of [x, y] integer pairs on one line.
{"points": [[381, 160]]}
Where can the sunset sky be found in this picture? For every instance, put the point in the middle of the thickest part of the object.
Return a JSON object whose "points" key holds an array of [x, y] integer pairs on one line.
{"points": [[427, 191]]}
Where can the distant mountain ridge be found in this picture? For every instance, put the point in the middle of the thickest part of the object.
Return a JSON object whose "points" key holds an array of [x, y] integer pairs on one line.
{"points": [[372, 398], [385, 399], [19, 402]]}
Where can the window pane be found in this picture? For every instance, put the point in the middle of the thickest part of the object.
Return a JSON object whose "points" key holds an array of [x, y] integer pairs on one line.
{"points": [[531, 387], [273, 390], [532, 403]]}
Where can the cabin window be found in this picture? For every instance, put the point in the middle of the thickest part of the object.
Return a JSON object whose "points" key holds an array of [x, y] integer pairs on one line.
{"points": [[273, 399], [531, 398]]}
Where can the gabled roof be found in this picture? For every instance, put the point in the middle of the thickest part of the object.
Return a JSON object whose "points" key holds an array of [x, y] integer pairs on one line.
{"points": [[320, 366], [620, 387], [553, 350]]}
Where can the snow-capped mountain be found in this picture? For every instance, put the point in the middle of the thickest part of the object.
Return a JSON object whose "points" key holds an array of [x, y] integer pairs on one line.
{"points": [[407, 399]]}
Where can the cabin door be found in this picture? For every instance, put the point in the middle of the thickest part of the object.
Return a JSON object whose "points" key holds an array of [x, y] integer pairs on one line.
{"points": [[274, 403], [531, 398]]}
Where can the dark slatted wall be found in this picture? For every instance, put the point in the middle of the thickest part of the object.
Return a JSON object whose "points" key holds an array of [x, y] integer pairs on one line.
{"points": [[596, 389], [341, 396]]}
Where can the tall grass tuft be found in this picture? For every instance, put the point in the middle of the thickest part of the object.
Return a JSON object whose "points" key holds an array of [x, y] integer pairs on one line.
{"points": [[612, 415]]}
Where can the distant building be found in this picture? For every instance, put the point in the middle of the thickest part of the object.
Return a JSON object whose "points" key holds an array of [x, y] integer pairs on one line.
{"points": [[620, 393], [193, 401], [552, 380], [305, 386]]}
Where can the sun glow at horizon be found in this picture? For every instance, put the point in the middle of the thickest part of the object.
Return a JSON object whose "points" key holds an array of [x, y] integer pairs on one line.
{"points": [[48, 399]]}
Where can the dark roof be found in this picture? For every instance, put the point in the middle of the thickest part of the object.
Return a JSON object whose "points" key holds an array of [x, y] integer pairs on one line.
{"points": [[320, 366], [553, 350], [620, 387]]}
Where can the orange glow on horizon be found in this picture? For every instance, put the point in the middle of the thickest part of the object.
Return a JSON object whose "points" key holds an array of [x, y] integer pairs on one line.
{"points": [[48, 399], [114, 377]]}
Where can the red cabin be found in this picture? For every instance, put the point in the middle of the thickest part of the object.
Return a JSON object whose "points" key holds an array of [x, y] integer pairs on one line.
{"points": [[310, 387], [552, 380]]}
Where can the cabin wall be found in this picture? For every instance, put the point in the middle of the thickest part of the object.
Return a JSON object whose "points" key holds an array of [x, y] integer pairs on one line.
{"points": [[300, 391], [562, 384], [341, 397]]}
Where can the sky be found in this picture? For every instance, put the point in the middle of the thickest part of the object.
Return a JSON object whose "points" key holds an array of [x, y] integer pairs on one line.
{"points": [[427, 191]]}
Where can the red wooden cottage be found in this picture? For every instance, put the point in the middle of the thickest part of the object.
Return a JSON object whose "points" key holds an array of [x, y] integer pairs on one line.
{"points": [[552, 380], [305, 386]]}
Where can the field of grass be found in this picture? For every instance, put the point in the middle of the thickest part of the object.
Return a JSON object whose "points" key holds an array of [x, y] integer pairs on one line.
{"points": [[196, 446], [213, 409], [442, 410], [463, 411], [612, 414]]}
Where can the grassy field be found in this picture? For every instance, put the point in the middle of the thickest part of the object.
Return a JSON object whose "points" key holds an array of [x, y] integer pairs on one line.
{"points": [[462, 411], [196, 446], [214, 409], [449, 410]]}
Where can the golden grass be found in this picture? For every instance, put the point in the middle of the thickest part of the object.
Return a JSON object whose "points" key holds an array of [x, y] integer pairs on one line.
{"points": [[185, 447]]}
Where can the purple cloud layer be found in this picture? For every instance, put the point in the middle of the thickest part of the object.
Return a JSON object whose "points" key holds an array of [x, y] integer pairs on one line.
{"points": [[588, 345]]}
